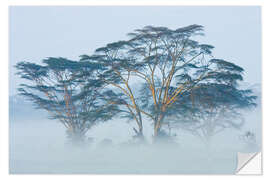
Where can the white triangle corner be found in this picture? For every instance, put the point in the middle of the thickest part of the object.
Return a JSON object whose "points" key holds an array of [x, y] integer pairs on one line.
{"points": [[249, 163]]}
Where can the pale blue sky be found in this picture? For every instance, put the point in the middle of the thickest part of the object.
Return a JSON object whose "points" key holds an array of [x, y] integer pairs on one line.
{"points": [[39, 32]]}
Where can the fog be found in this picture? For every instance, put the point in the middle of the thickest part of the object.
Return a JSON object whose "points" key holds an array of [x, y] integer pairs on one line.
{"points": [[40, 146]]}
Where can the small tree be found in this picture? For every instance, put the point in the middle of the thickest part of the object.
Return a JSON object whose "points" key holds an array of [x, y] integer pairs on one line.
{"points": [[214, 108], [215, 102], [69, 91]]}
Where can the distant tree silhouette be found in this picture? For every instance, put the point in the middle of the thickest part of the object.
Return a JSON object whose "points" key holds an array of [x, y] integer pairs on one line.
{"points": [[213, 108]]}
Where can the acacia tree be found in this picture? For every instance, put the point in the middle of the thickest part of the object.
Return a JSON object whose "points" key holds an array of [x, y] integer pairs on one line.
{"points": [[213, 108], [167, 54], [117, 74], [211, 104], [175, 64], [169, 63], [69, 91], [158, 55]]}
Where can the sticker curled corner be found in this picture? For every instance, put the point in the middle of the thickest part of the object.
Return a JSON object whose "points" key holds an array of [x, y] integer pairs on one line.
{"points": [[249, 163]]}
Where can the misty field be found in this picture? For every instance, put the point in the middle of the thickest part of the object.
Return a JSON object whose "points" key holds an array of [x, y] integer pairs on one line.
{"points": [[38, 147]]}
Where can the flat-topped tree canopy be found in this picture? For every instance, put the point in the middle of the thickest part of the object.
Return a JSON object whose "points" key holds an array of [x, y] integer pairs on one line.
{"points": [[69, 90]]}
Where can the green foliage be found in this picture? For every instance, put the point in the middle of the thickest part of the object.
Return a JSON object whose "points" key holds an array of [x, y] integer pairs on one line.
{"points": [[68, 90]]}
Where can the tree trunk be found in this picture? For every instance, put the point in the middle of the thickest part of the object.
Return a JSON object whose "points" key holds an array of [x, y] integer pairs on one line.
{"points": [[157, 127], [139, 133], [75, 138]]}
